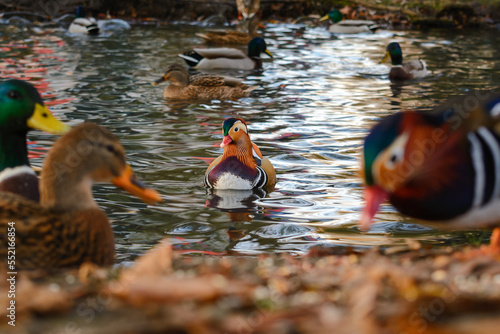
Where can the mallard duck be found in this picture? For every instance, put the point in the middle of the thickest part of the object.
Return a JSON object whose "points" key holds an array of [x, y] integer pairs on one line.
{"points": [[21, 109], [82, 24], [403, 71], [442, 168], [243, 36], [67, 227], [201, 87], [341, 26], [228, 58], [241, 166]]}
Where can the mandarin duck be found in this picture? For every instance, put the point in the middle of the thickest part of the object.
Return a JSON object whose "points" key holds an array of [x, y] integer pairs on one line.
{"points": [[403, 71], [241, 166], [67, 228], [228, 58], [21, 109], [441, 168], [341, 26], [202, 86], [82, 24]]}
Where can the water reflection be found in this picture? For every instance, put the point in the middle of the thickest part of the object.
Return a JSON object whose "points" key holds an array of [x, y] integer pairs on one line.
{"points": [[316, 101]]}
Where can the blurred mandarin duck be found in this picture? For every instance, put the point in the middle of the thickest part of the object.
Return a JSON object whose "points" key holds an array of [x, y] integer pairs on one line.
{"points": [[442, 168], [341, 26], [67, 228], [228, 58], [403, 71], [21, 110], [202, 86], [241, 166]]}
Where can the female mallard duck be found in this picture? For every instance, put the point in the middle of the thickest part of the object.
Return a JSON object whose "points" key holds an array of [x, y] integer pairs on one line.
{"points": [[341, 26], [67, 228], [83, 25], [403, 71], [241, 165], [242, 36], [21, 109], [228, 58], [201, 87], [442, 168]]}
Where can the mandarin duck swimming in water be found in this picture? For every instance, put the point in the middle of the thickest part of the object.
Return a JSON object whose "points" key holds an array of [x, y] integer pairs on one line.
{"points": [[341, 26], [442, 168], [67, 228], [202, 86], [228, 58], [21, 109], [403, 71], [241, 166]]}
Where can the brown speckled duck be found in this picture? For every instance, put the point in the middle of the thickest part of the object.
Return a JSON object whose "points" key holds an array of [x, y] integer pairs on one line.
{"points": [[67, 228], [201, 87]]}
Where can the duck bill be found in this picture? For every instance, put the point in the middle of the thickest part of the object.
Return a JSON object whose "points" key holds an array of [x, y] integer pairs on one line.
{"points": [[226, 140], [374, 196], [267, 52], [129, 182], [324, 18], [387, 56], [159, 81], [43, 120]]}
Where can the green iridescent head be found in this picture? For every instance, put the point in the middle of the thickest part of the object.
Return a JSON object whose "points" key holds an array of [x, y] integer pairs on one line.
{"points": [[380, 137], [335, 16], [228, 124], [258, 46], [393, 50]]}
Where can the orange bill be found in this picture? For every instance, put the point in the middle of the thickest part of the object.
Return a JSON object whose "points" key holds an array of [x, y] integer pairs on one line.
{"points": [[129, 182]]}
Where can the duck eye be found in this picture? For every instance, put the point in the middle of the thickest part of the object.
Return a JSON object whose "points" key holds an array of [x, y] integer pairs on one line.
{"points": [[394, 159], [236, 129], [110, 148], [14, 94]]}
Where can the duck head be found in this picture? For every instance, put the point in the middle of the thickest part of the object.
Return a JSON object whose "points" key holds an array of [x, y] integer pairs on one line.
{"points": [[335, 16], [257, 46], [177, 74], [394, 52], [232, 130]]}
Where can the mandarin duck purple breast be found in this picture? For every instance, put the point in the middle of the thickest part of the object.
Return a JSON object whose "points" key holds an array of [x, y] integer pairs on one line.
{"points": [[241, 166], [67, 228], [441, 168]]}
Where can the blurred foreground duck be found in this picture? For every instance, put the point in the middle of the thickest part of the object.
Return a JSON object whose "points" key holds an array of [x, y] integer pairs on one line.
{"points": [[403, 71], [241, 166], [341, 26], [442, 168], [21, 110], [82, 24], [201, 87], [228, 58], [67, 228]]}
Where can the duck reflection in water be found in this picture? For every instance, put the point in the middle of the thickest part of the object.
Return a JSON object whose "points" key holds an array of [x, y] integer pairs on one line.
{"points": [[238, 204]]}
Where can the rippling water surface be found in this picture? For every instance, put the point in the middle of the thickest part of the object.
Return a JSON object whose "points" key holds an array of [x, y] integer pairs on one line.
{"points": [[316, 101]]}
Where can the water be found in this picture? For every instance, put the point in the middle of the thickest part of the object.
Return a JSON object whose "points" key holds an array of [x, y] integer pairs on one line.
{"points": [[316, 101]]}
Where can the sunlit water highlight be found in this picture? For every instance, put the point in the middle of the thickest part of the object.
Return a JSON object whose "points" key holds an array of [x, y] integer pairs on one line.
{"points": [[315, 103]]}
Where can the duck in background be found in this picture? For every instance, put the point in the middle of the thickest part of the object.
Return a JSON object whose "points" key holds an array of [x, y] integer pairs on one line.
{"points": [[83, 25], [21, 110], [400, 71], [341, 26], [242, 36], [201, 87], [241, 166], [67, 228], [228, 58], [441, 168]]}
